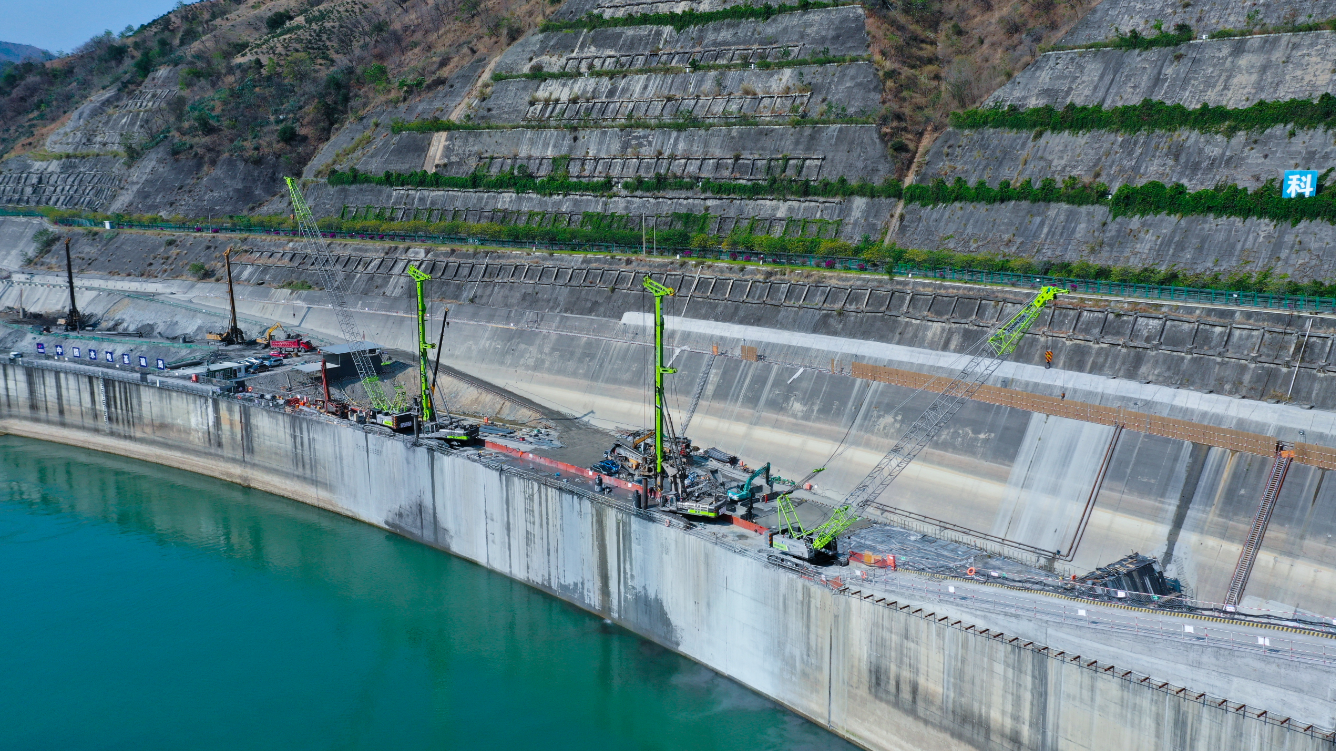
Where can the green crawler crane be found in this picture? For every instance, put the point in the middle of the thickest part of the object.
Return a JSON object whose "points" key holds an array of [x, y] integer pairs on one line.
{"points": [[325, 263], [984, 359]]}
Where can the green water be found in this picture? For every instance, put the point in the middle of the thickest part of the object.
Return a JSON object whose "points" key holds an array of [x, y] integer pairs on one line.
{"points": [[143, 607]]}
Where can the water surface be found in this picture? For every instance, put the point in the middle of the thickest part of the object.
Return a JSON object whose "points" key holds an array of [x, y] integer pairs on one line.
{"points": [[146, 607]]}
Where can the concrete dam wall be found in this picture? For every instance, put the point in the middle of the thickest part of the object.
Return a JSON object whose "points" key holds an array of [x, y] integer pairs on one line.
{"points": [[1010, 474], [885, 673]]}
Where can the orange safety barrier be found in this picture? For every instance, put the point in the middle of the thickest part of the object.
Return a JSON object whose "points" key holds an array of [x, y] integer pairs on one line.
{"points": [[872, 559], [563, 466], [752, 526]]}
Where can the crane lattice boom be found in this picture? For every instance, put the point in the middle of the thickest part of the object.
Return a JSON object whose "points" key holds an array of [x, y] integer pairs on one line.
{"points": [[985, 360], [700, 389], [325, 264]]}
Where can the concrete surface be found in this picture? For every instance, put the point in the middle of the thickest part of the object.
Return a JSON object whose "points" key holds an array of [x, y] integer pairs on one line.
{"points": [[901, 676], [1112, 17]]}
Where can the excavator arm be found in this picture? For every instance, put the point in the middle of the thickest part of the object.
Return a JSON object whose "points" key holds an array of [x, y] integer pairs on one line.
{"points": [[268, 335]]}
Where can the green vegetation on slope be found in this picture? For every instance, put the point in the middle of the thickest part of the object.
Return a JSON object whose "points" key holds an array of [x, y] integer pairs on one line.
{"points": [[1265, 281], [1135, 40], [688, 235], [688, 122], [1148, 199], [1151, 198], [687, 19], [36, 94], [520, 181], [1182, 34], [542, 75], [1152, 115]]}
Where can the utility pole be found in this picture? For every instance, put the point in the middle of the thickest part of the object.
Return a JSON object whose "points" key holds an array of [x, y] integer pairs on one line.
{"points": [[72, 322], [234, 334], [424, 346], [659, 291]]}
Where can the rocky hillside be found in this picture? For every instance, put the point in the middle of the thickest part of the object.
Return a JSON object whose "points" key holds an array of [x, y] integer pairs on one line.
{"points": [[1033, 135], [202, 111]]}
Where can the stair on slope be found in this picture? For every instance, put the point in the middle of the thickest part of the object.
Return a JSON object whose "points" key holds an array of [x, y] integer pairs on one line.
{"points": [[1248, 556]]}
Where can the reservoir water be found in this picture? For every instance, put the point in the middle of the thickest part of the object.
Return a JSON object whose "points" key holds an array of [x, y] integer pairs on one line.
{"points": [[145, 607]]}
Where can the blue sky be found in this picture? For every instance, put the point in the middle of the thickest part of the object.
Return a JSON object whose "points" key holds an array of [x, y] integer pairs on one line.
{"points": [[65, 24]]}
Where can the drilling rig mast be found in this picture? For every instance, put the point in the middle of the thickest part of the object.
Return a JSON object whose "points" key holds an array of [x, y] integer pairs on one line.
{"points": [[72, 318], [234, 334], [659, 291], [424, 345]]}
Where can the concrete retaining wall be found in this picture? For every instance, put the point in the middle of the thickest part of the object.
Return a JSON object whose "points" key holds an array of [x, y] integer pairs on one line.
{"points": [[1198, 160], [1059, 232], [747, 153], [1112, 17], [848, 219], [1228, 72], [826, 91], [884, 677], [789, 36]]}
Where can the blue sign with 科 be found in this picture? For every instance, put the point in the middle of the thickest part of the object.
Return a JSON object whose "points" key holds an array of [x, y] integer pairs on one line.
{"points": [[1297, 183]]}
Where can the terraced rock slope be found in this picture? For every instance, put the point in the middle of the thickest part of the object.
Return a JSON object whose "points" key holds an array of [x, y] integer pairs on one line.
{"points": [[641, 101], [1234, 73]]}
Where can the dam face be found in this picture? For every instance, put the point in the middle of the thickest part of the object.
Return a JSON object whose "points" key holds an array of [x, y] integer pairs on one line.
{"points": [[883, 672], [1139, 416]]}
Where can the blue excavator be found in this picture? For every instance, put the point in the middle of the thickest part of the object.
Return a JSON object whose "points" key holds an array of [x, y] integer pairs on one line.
{"points": [[746, 493]]}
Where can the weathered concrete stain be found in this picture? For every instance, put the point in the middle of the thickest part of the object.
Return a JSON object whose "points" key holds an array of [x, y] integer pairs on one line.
{"points": [[887, 678]]}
